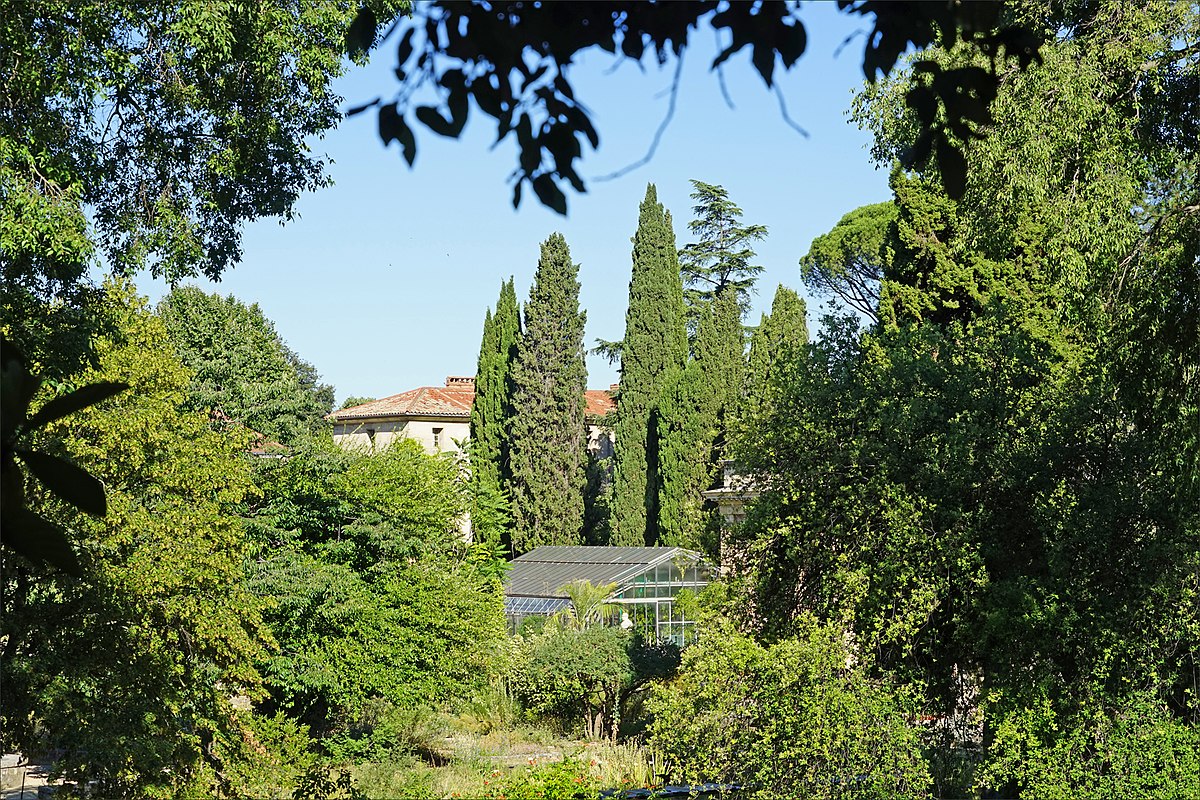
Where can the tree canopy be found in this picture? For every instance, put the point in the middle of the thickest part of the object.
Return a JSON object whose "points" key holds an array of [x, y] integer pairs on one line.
{"points": [[549, 435], [242, 370], [655, 344]]}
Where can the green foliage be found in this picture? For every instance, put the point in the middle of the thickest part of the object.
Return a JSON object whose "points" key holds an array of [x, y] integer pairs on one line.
{"points": [[130, 669], [998, 480], [655, 343], [355, 400], [241, 367], [492, 410], [171, 123], [849, 262], [798, 718], [781, 338], [568, 779], [589, 603], [377, 605], [1127, 748], [549, 437], [585, 674], [720, 260], [26, 532], [692, 420]]}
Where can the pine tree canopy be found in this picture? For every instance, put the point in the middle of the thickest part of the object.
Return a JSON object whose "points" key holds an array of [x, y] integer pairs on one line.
{"points": [[722, 257]]}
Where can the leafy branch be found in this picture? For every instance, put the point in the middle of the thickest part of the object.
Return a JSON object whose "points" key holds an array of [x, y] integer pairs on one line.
{"points": [[24, 531]]}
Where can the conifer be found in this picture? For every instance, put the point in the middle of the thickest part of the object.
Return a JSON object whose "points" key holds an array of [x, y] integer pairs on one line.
{"points": [[548, 430], [692, 420], [492, 408], [780, 339], [722, 257], [655, 343]]}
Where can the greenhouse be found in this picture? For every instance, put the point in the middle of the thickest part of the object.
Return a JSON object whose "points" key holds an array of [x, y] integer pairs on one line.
{"points": [[647, 580]]}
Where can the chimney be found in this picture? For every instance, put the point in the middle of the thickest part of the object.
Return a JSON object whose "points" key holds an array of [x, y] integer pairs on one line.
{"points": [[460, 381]]}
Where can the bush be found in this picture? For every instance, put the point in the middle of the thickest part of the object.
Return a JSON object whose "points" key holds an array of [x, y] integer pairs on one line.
{"points": [[796, 719], [1125, 748], [560, 780]]}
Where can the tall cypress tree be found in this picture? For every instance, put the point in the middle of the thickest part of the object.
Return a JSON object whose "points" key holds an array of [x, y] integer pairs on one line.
{"points": [[692, 421], [549, 435], [493, 378], [779, 340], [655, 344], [492, 409]]}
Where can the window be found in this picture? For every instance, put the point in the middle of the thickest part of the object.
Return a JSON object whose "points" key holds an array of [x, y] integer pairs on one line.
{"points": [[437, 438]]}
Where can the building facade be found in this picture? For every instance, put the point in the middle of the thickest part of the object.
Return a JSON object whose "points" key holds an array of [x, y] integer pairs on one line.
{"points": [[439, 418]]}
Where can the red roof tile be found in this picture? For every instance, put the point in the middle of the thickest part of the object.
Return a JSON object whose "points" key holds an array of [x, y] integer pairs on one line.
{"points": [[427, 401], [452, 400], [599, 402]]}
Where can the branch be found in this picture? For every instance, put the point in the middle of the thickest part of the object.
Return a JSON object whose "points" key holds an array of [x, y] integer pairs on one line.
{"points": [[662, 128]]}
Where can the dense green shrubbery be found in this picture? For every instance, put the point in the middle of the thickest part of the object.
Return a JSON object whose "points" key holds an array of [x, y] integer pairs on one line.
{"points": [[799, 718], [1129, 747]]}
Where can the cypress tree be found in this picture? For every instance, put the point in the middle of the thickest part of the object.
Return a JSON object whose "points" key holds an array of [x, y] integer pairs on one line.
{"points": [[493, 405], [780, 339], [692, 420], [492, 408], [655, 343], [548, 432]]}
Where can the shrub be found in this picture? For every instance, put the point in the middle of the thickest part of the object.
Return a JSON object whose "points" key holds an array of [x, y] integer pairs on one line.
{"points": [[796, 719]]}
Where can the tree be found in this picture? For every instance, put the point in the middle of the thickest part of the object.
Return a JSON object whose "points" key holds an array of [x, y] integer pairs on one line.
{"points": [[492, 410], [850, 261], [512, 60], [959, 481], [129, 669], [780, 339], [171, 123], [655, 343], [242, 368], [549, 437], [376, 602], [720, 260], [696, 406]]}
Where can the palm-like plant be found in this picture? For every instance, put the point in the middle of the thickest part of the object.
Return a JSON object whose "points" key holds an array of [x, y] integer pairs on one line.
{"points": [[589, 602]]}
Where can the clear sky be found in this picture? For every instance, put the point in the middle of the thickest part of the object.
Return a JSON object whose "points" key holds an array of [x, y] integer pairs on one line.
{"points": [[383, 280]]}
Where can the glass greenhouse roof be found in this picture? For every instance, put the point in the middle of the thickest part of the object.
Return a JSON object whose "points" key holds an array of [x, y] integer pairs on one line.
{"points": [[542, 571]]}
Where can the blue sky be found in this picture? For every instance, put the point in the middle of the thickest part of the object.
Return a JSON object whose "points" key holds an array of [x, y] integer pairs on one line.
{"points": [[383, 280]]}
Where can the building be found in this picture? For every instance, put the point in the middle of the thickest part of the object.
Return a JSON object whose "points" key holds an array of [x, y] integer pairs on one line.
{"points": [[439, 417], [646, 582]]}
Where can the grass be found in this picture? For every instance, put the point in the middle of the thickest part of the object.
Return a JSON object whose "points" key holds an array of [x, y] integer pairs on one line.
{"points": [[473, 758]]}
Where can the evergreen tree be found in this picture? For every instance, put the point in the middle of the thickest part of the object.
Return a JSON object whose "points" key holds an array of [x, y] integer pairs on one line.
{"points": [[549, 437], [492, 408], [242, 367], [722, 257], [655, 343], [691, 423], [780, 338]]}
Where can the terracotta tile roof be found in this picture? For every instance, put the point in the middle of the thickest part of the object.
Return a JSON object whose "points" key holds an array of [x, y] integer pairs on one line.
{"points": [[452, 400], [599, 402], [426, 401]]}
